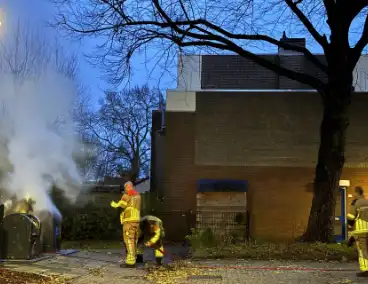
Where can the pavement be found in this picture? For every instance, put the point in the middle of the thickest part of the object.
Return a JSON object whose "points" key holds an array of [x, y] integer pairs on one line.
{"points": [[102, 266]]}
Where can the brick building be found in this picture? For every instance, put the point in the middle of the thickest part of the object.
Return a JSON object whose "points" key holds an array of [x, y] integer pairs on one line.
{"points": [[231, 120]]}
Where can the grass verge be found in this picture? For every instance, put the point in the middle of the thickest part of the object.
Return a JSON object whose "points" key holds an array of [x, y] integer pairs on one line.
{"points": [[297, 251], [91, 244]]}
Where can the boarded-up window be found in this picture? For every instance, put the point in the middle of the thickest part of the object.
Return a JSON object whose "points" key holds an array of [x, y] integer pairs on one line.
{"points": [[222, 212]]}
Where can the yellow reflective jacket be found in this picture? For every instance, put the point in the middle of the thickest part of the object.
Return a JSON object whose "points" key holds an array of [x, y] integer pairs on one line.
{"points": [[132, 208], [158, 232], [359, 214]]}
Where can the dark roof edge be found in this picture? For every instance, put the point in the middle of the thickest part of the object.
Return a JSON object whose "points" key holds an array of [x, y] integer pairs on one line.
{"points": [[141, 180]]}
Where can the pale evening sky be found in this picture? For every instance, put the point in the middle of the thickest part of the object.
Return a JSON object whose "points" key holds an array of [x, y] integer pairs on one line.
{"points": [[37, 12]]}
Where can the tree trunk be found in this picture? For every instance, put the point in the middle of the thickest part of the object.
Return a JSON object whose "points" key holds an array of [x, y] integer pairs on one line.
{"points": [[135, 166], [336, 101]]}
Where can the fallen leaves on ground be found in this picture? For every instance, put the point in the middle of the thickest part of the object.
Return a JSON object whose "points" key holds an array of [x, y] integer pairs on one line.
{"points": [[173, 273], [97, 271], [8, 276]]}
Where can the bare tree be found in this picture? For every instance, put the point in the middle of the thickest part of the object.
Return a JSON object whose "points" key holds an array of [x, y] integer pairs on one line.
{"points": [[338, 27], [28, 53], [87, 159], [120, 130]]}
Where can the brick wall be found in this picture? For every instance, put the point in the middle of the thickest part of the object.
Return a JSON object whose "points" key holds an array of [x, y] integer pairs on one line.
{"points": [[279, 197], [231, 71], [270, 129], [236, 72], [179, 176], [302, 65], [157, 145]]}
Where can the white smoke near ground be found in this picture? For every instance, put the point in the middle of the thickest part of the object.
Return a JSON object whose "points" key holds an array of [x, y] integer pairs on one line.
{"points": [[37, 137]]}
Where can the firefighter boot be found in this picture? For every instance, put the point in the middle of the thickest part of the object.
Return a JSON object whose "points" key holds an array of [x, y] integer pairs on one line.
{"points": [[124, 265], [139, 258], [362, 274], [159, 261]]}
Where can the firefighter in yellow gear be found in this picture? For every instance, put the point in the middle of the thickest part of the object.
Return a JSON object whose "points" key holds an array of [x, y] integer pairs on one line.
{"points": [[358, 213], [151, 234], [129, 218], [351, 240]]}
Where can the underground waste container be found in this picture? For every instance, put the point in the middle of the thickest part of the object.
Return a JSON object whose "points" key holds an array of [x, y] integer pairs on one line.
{"points": [[21, 237], [51, 231]]}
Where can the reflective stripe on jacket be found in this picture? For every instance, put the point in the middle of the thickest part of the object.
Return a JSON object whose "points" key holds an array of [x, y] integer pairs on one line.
{"points": [[359, 213], [132, 208]]}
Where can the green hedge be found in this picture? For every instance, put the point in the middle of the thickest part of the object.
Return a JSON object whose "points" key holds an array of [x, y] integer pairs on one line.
{"points": [[91, 223]]}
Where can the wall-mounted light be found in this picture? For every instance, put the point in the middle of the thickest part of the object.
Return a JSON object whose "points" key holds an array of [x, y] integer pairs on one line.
{"points": [[344, 183], [350, 195]]}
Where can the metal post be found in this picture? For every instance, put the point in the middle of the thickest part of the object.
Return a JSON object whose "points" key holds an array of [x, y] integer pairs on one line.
{"points": [[343, 186], [344, 213], [2, 211]]}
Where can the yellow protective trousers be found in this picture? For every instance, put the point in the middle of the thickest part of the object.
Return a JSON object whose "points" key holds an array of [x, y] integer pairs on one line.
{"points": [[130, 235], [362, 245], [158, 247]]}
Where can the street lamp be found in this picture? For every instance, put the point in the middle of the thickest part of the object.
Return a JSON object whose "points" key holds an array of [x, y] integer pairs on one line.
{"points": [[1, 16]]}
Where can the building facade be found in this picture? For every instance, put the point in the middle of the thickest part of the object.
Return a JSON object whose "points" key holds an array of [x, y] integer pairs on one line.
{"points": [[230, 120], [270, 140]]}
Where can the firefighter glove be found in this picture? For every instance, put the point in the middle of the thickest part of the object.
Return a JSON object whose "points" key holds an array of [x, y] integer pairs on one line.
{"points": [[113, 204], [351, 242]]}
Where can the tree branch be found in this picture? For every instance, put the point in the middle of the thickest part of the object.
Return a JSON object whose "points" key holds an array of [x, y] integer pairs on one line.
{"points": [[330, 10], [357, 50], [182, 32], [311, 29], [259, 37], [119, 126], [230, 46]]}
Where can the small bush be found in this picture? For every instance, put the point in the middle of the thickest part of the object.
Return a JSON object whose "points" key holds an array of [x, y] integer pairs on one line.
{"points": [[207, 238], [226, 246]]}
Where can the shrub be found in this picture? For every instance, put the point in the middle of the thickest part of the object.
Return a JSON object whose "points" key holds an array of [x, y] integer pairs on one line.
{"points": [[207, 238]]}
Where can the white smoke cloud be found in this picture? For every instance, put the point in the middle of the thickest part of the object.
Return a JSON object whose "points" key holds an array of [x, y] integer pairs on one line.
{"points": [[37, 137]]}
